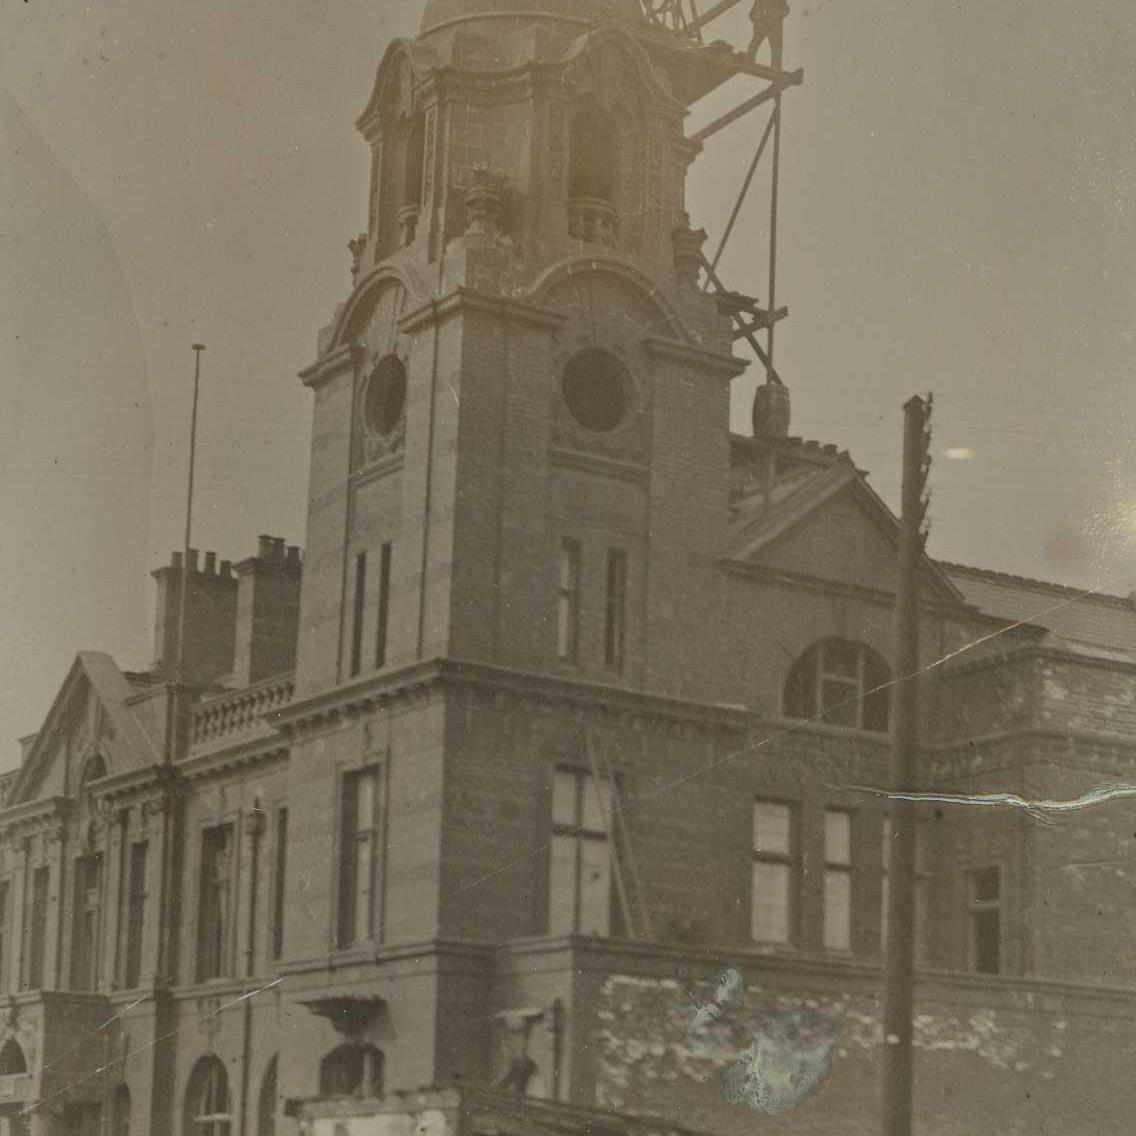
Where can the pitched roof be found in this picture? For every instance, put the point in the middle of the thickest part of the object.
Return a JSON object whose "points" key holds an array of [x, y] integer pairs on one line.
{"points": [[131, 747], [1071, 613], [778, 483]]}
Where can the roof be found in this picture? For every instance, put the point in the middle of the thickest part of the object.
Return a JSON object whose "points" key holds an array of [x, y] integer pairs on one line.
{"points": [[779, 482], [129, 746], [1073, 614]]}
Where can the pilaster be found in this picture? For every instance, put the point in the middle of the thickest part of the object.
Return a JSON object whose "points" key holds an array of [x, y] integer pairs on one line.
{"points": [[54, 843]]}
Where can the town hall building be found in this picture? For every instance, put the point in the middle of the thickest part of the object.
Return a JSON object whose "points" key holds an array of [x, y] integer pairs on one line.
{"points": [[545, 783]]}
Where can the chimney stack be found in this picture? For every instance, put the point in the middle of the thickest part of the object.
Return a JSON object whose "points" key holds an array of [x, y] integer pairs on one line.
{"points": [[268, 612], [210, 618]]}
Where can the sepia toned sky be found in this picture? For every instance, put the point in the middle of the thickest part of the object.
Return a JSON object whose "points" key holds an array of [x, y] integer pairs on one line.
{"points": [[959, 215]]}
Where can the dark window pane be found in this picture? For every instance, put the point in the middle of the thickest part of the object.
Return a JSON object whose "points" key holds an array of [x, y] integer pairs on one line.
{"points": [[987, 885], [595, 390], [840, 703], [842, 658], [800, 687], [594, 148], [986, 945]]}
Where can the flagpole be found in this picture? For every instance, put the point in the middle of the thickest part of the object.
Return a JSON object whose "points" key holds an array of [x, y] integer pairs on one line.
{"points": [[183, 598]]}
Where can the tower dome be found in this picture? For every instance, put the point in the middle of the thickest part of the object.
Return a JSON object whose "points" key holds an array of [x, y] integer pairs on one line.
{"points": [[439, 13]]}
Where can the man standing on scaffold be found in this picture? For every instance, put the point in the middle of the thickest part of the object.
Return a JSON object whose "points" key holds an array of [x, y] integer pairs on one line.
{"points": [[768, 19]]}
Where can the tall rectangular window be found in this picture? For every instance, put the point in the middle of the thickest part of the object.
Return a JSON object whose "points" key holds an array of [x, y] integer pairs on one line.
{"points": [[579, 887], [85, 923], [615, 622], [384, 607], [984, 893], [278, 883], [359, 841], [5, 933], [214, 915], [837, 880], [774, 882], [135, 913], [36, 937], [360, 607], [568, 602]]}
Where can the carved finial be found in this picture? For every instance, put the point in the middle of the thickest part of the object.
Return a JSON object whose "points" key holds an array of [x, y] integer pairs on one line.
{"points": [[688, 244], [357, 245]]}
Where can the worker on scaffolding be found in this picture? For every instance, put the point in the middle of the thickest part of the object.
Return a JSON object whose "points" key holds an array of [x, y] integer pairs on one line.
{"points": [[768, 19]]}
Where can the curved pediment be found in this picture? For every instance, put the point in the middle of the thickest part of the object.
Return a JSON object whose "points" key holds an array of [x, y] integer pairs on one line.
{"points": [[405, 64], [611, 65], [588, 285]]}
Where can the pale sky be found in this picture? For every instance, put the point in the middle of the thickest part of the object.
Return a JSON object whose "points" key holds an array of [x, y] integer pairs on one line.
{"points": [[959, 215]]}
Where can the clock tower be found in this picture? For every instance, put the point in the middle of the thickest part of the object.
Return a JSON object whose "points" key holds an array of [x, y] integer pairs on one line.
{"points": [[520, 483]]}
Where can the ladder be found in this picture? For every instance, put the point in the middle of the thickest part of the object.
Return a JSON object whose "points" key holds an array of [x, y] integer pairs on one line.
{"points": [[632, 901]]}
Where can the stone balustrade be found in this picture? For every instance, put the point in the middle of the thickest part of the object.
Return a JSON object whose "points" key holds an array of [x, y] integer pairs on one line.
{"points": [[230, 715], [594, 221]]}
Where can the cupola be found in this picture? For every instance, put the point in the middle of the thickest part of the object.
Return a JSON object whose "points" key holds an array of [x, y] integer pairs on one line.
{"points": [[441, 13]]}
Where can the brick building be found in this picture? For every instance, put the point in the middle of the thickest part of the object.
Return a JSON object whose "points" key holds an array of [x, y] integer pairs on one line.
{"points": [[572, 704]]}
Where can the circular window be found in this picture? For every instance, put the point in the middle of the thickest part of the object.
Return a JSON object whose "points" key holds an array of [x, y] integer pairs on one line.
{"points": [[595, 388], [385, 397]]}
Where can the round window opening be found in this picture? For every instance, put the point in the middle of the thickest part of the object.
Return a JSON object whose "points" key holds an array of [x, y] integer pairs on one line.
{"points": [[595, 387], [385, 398]]}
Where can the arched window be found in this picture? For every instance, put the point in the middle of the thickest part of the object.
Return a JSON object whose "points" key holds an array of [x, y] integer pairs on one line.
{"points": [[266, 1103], [94, 770], [841, 683], [352, 1070], [594, 154], [120, 1111], [12, 1059], [207, 1100]]}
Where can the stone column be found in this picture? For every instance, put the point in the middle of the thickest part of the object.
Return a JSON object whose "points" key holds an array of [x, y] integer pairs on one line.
{"points": [[14, 949], [158, 923], [115, 864], [54, 953]]}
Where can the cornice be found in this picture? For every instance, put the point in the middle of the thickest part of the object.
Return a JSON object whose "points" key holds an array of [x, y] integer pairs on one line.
{"points": [[617, 956], [728, 366], [956, 758], [1033, 651], [134, 782], [476, 951], [463, 300], [427, 679], [259, 751], [34, 815], [783, 578], [337, 362]]}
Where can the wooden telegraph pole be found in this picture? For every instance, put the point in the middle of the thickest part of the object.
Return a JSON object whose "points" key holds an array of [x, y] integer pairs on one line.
{"points": [[899, 976]]}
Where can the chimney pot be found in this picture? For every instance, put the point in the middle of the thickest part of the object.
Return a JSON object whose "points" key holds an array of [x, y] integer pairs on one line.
{"points": [[175, 562], [210, 563], [227, 569], [192, 560], [264, 547], [278, 548], [293, 554]]}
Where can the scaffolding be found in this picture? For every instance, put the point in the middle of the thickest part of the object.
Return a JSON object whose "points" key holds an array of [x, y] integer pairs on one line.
{"points": [[753, 320]]}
